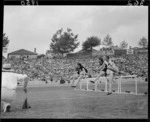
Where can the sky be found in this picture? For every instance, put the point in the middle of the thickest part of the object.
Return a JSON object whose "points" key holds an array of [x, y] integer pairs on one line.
{"points": [[29, 27]]}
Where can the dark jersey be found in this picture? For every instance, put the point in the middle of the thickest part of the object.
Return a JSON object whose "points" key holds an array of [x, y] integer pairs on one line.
{"points": [[79, 70], [104, 68]]}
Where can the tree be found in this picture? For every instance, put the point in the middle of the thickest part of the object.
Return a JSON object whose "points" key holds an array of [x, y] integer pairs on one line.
{"points": [[107, 41], [90, 43], [64, 42], [5, 41], [123, 44], [143, 42]]}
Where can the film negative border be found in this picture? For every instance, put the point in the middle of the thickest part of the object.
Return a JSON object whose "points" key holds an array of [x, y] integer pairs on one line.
{"points": [[78, 2]]}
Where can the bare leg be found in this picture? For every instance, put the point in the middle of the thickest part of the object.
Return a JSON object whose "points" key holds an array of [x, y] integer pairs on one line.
{"points": [[79, 79], [110, 86], [101, 73], [110, 80], [73, 79]]}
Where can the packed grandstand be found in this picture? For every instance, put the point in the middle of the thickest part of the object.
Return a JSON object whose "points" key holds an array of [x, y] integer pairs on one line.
{"points": [[55, 68]]}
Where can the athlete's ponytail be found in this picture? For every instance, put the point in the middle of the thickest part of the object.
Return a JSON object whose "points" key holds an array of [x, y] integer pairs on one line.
{"points": [[85, 70], [82, 67]]}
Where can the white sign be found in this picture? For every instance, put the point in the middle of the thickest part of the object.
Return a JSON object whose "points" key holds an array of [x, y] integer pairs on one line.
{"points": [[129, 51]]}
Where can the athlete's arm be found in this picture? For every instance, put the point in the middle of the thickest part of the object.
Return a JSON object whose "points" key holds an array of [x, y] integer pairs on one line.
{"points": [[100, 68]]}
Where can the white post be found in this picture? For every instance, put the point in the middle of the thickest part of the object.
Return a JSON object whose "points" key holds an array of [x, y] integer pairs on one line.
{"points": [[106, 85], [120, 82], [135, 85], [118, 85], [95, 85], [87, 85], [80, 85]]}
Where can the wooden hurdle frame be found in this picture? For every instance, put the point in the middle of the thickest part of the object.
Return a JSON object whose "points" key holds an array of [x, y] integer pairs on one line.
{"points": [[105, 86], [87, 86], [119, 85], [131, 76]]}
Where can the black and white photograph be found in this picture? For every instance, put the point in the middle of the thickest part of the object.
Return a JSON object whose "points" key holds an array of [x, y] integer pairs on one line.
{"points": [[75, 62]]}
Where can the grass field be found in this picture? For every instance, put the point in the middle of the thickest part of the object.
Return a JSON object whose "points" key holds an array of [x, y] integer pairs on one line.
{"points": [[65, 102]]}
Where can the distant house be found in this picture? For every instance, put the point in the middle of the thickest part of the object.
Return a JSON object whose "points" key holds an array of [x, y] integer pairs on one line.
{"points": [[137, 50], [49, 54], [130, 51], [107, 50], [22, 53]]}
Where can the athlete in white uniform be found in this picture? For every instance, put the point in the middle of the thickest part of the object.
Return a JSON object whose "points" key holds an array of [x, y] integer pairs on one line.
{"points": [[111, 70], [9, 85]]}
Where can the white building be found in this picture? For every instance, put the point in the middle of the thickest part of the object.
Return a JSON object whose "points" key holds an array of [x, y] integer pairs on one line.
{"points": [[22, 53]]}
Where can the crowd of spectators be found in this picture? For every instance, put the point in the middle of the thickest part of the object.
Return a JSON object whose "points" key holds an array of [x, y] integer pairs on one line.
{"points": [[64, 68]]}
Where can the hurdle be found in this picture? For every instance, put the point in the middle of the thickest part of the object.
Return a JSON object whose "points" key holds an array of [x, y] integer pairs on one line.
{"points": [[119, 82], [95, 86], [135, 79]]}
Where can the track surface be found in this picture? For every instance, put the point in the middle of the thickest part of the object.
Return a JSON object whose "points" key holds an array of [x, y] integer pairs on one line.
{"points": [[65, 102]]}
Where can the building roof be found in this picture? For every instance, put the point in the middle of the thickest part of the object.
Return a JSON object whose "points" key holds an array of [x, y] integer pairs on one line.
{"points": [[22, 52]]}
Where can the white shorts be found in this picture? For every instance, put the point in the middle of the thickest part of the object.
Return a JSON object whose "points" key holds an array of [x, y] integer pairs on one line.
{"points": [[75, 76], [82, 73], [8, 95], [110, 73]]}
